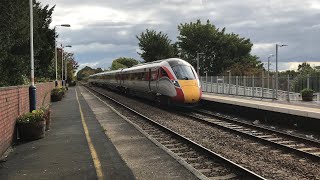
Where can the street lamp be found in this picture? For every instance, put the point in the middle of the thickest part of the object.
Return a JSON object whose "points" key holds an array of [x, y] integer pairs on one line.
{"points": [[198, 67], [55, 50], [32, 88], [271, 55], [62, 60], [277, 81]]}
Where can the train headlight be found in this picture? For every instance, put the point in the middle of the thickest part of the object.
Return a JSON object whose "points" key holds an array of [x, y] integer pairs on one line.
{"points": [[175, 83]]}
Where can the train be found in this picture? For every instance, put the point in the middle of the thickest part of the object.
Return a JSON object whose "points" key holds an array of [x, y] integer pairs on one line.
{"points": [[168, 81]]}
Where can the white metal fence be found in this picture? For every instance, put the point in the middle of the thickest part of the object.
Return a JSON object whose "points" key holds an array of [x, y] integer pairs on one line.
{"points": [[288, 88]]}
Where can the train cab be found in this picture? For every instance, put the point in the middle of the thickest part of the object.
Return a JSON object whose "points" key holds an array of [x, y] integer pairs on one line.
{"points": [[186, 82]]}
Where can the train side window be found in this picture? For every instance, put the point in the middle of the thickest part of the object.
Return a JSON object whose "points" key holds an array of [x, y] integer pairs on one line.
{"points": [[163, 73], [154, 75]]}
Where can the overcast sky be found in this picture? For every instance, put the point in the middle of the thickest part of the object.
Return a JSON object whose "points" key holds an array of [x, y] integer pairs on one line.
{"points": [[103, 30]]}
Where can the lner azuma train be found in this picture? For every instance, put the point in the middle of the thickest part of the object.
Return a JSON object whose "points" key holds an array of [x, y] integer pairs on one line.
{"points": [[169, 81]]}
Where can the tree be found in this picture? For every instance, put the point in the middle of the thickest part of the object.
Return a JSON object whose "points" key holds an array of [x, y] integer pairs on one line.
{"points": [[15, 42], [44, 38], [72, 66], [221, 50], [247, 66], [155, 46], [306, 74], [84, 73], [123, 62], [305, 68]]}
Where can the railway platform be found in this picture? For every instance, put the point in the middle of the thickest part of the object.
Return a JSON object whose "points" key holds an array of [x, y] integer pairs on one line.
{"points": [[296, 108], [88, 140]]}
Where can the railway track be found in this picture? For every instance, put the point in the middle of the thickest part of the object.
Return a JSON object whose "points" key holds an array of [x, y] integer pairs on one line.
{"points": [[290, 142], [205, 162]]}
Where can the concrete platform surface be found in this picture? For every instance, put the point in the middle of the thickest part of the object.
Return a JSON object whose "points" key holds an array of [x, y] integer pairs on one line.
{"points": [[64, 152], [293, 109], [144, 158]]}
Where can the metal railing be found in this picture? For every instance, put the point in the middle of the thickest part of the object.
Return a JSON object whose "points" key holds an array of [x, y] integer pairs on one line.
{"points": [[261, 87]]}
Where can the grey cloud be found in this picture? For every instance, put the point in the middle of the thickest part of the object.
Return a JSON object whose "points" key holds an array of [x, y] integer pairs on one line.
{"points": [[265, 22]]}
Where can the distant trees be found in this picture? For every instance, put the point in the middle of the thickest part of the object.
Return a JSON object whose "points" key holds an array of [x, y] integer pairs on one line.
{"points": [[155, 46], [84, 73], [304, 72], [15, 39], [123, 62], [222, 51]]}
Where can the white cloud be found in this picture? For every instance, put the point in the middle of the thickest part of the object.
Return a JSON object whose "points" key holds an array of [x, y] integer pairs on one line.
{"points": [[263, 48]]}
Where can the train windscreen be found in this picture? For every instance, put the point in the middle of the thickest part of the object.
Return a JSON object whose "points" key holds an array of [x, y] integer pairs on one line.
{"points": [[183, 72]]}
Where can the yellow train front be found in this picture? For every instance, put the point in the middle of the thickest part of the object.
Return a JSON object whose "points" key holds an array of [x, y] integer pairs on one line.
{"points": [[185, 81]]}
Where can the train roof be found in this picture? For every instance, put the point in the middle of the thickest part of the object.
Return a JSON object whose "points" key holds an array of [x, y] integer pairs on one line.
{"points": [[171, 62]]}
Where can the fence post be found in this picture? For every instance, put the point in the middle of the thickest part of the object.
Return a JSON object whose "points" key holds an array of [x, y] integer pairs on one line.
{"points": [[229, 79], [308, 81], [262, 84], [252, 84], [222, 84], [237, 84], [206, 81], [288, 87], [244, 85], [217, 84], [211, 78], [272, 81], [318, 98]]}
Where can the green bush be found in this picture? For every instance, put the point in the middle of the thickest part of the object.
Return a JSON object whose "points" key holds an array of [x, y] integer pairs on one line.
{"points": [[58, 91], [307, 92], [31, 117], [72, 83]]}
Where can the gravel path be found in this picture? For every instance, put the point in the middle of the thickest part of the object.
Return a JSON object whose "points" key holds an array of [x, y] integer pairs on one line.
{"points": [[267, 161]]}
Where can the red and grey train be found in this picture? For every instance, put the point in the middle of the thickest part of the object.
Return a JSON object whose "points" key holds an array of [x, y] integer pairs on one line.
{"points": [[167, 81]]}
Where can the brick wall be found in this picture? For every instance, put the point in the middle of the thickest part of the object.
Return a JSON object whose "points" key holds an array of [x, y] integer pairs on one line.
{"points": [[14, 101]]}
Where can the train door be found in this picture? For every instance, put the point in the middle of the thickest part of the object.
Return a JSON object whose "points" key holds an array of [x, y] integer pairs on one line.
{"points": [[158, 77]]}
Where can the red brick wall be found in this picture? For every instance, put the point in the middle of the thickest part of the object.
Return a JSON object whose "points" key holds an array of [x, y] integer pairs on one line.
{"points": [[14, 101]]}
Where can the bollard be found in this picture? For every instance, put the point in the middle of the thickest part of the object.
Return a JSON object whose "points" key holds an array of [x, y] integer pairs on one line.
{"points": [[32, 98]]}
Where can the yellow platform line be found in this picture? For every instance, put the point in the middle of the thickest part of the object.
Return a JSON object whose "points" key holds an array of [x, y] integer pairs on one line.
{"points": [[94, 155]]}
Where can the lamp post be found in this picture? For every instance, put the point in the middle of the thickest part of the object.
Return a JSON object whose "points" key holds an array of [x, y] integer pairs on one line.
{"points": [[32, 88], [55, 50], [198, 66], [62, 61], [271, 55], [277, 80]]}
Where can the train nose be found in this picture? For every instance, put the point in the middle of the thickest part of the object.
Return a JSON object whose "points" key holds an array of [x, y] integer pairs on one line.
{"points": [[191, 94], [191, 91]]}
